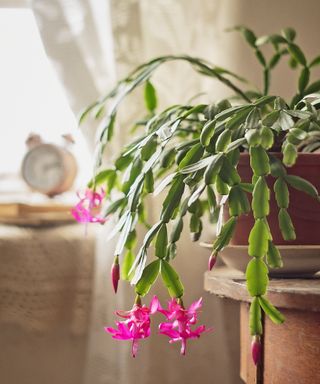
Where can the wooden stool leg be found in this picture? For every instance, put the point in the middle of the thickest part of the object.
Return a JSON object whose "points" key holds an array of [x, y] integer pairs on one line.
{"points": [[290, 351]]}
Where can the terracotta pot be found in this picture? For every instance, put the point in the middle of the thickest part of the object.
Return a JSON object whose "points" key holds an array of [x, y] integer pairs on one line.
{"points": [[303, 209]]}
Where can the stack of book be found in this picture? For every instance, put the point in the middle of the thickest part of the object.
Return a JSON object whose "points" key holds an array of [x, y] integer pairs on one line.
{"points": [[35, 212]]}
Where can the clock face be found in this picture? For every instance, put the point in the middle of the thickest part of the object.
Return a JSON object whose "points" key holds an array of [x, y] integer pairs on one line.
{"points": [[43, 168]]}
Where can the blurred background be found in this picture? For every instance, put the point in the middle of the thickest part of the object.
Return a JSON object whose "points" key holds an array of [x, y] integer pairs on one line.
{"points": [[57, 56]]}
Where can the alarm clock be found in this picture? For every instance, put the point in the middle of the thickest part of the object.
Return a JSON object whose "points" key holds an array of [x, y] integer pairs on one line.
{"points": [[48, 168]]}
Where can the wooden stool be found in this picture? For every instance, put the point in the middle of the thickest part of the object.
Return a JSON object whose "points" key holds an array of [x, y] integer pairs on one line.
{"points": [[291, 351]]}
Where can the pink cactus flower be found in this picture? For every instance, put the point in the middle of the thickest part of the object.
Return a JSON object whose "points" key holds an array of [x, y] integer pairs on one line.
{"points": [[87, 210], [179, 329], [115, 273], [256, 349], [137, 323]]}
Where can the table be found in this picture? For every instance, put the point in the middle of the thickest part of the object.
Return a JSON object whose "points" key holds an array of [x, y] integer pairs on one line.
{"points": [[291, 351]]}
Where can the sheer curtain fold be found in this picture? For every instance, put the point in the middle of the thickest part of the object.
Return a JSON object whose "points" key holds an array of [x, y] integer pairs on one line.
{"points": [[78, 39]]}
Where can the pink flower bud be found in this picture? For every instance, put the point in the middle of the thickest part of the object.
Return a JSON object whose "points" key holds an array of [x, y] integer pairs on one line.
{"points": [[256, 349], [115, 273], [212, 261]]}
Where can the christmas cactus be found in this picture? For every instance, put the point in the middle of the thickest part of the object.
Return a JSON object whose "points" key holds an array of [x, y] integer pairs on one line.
{"points": [[190, 153]]}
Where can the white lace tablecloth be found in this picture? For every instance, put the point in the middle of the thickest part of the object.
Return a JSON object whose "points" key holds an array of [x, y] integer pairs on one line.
{"points": [[46, 279]]}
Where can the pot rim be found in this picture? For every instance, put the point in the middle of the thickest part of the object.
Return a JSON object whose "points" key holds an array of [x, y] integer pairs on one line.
{"points": [[280, 246]]}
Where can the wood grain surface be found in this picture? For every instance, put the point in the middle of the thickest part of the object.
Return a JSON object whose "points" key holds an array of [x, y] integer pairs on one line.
{"points": [[290, 351], [302, 293]]}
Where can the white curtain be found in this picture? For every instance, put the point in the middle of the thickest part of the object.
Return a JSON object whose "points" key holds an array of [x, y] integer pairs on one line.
{"points": [[78, 39], [93, 42]]}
